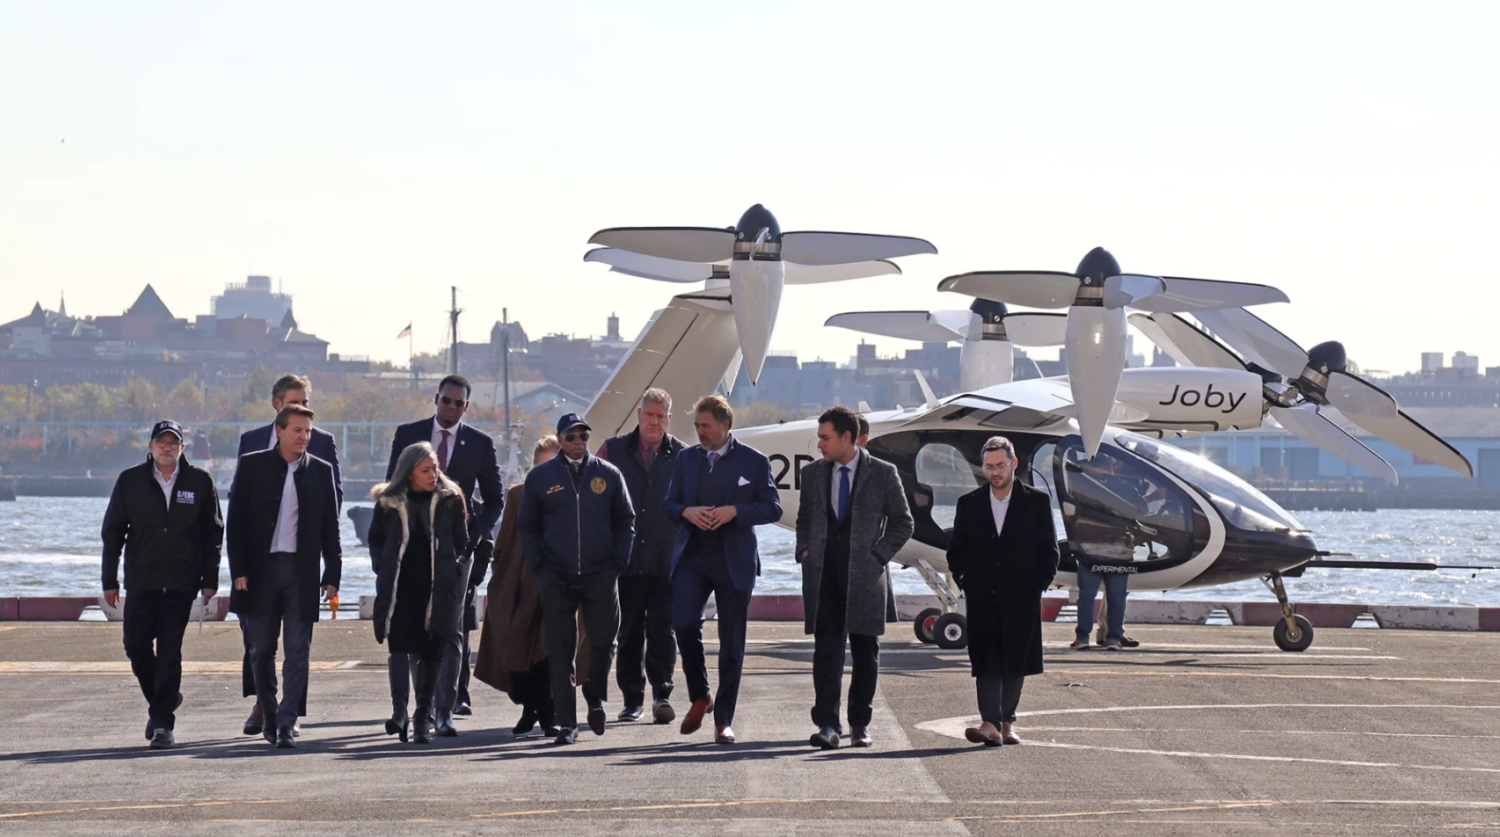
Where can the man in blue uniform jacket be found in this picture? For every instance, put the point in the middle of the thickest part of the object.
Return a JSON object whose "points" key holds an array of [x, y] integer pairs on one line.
{"points": [[721, 490]]}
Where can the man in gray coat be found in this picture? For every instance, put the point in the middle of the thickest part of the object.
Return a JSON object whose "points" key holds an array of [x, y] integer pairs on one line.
{"points": [[851, 519]]}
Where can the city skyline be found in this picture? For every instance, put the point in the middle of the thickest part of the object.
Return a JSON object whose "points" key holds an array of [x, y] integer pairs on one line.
{"points": [[368, 158]]}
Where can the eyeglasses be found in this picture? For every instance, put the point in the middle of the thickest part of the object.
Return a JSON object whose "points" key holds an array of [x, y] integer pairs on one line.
{"points": [[457, 402], [169, 443], [572, 437], [999, 467]]}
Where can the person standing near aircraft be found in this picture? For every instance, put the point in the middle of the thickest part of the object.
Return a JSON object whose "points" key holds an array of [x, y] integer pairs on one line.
{"points": [[283, 518], [288, 390], [466, 456], [164, 516], [1003, 554], [647, 456], [577, 527], [721, 490], [851, 519]]}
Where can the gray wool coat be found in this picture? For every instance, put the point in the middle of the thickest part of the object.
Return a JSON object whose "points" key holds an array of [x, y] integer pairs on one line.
{"points": [[880, 526]]}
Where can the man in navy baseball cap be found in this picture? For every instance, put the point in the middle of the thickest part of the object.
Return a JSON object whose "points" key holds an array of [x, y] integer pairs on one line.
{"points": [[167, 426], [570, 421]]}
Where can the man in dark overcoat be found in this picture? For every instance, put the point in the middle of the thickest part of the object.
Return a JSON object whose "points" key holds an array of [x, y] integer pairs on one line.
{"points": [[1003, 554]]}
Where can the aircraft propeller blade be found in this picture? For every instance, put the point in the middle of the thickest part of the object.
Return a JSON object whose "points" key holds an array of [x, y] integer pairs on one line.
{"points": [[1257, 339], [924, 326], [1376, 412], [1095, 351], [1308, 424], [1187, 345], [687, 244], [1036, 330], [1129, 289], [807, 274], [1182, 294], [1029, 288], [826, 248], [651, 267]]}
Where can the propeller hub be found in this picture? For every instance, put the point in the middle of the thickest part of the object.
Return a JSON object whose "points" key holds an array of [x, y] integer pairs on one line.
{"points": [[989, 311], [1328, 357], [1097, 266], [757, 235]]}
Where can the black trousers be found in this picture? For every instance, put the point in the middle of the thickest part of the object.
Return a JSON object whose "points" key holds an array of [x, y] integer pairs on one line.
{"points": [[564, 597], [155, 621], [645, 630], [284, 617], [828, 668], [998, 697], [425, 671], [698, 576], [406, 669], [247, 675], [534, 689]]}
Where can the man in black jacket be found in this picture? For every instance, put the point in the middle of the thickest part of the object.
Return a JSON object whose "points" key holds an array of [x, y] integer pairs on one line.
{"points": [[283, 518], [647, 456], [577, 527], [288, 390], [164, 515], [467, 456]]}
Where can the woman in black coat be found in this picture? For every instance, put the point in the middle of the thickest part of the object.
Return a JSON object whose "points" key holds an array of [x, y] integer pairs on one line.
{"points": [[418, 545], [1003, 570]]}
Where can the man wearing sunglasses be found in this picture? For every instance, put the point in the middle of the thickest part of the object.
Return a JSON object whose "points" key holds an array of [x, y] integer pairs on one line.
{"points": [[577, 528], [467, 456]]}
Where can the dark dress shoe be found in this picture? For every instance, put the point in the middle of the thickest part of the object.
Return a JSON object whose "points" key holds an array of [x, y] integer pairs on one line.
{"points": [[551, 731], [566, 735], [596, 719], [826, 738], [284, 739], [463, 709], [399, 728], [163, 740], [151, 722], [423, 735], [662, 711], [445, 727], [632, 713], [526, 724], [256, 723], [860, 737]]}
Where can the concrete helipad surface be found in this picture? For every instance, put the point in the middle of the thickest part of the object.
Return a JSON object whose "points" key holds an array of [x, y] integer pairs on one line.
{"points": [[1201, 730]]}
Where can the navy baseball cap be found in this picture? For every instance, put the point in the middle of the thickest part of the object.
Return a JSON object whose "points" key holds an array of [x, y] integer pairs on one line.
{"points": [[164, 427], [570, 421]]}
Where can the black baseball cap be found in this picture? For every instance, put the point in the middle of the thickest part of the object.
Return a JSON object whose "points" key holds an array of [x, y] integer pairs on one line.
{"points": [[570, 421], [168, 426]]}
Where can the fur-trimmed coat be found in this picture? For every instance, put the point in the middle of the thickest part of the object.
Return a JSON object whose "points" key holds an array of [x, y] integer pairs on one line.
{"points": [[390, 531]]}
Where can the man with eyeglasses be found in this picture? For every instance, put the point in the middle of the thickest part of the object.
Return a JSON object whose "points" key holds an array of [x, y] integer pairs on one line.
{"points": [[164, 516], [1003, 554], [577, 527], [467, 456]]}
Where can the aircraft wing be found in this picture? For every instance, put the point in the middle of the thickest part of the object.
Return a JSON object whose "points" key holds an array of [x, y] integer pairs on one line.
{"points": [[687, 349]]}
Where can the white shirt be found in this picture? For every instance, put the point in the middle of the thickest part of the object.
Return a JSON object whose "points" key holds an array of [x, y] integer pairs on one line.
{"points": [[274, 440], [718, 454], [166, 483], [998, 508], [437, 437], [833, 491], [284, 538]]}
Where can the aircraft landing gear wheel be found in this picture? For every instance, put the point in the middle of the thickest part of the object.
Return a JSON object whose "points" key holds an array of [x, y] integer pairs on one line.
{"points": [[923, 626], [1294, 639], [951, 630]]}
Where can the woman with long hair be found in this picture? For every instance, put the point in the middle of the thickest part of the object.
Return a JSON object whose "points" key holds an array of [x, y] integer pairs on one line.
{"points": [[418, 545], [512, 643]]}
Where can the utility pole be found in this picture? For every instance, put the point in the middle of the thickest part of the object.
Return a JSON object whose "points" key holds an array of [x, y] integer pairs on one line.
{"points": [[505, 365], [453, 313]]}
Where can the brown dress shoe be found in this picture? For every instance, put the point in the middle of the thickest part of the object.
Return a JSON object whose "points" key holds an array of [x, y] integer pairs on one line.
{"points": [[976, 735], [694, 717], [1007, 735], [723, 734]]}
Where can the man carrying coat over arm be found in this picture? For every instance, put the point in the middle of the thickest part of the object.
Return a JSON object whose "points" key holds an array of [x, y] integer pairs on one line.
{"points": [[852, 518], [1003, 553]]}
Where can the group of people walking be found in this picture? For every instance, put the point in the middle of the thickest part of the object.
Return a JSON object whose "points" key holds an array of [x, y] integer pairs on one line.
{"points": [[595, 555]]}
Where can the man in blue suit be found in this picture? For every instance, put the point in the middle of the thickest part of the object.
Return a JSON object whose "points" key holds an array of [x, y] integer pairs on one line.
{"points": [[288, 390], [468, 457], [721, 490]]}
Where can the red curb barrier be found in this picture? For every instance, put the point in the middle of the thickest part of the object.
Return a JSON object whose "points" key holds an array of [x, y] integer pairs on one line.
{"points": [[776, 608], [1489, 618], [10, 609], [1326, 615], [1258, 613], [1053, 605], [53, 608]]}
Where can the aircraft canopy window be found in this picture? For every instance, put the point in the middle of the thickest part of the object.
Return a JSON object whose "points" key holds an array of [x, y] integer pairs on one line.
{"points": [[1117, 508], [943, 470], [1242, 505]]}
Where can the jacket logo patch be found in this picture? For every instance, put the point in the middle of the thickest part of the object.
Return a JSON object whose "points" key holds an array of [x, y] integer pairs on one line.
{"points": [[186, 497], [598, 485], [554, 489]]}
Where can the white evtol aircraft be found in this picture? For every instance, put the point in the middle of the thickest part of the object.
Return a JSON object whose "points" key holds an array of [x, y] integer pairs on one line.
{"points": [[1169, 518]]}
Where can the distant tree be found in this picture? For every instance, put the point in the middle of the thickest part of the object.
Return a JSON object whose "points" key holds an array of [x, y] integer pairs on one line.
{"points": [[185, 402], [760, 413], [258, 385]]}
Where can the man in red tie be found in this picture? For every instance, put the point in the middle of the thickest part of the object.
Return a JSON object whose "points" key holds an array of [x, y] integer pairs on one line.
{"points": [[467, 456]]}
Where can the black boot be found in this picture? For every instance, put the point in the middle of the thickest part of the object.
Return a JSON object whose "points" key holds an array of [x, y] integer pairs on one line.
{"points": [[423, 732]]}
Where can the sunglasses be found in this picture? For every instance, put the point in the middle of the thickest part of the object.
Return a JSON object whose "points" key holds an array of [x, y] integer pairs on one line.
{"points": [[571, 437], [457, 402]]}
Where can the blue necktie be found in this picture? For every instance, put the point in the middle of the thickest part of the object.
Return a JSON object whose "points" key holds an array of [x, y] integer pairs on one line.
{"points": [[843, 492], [713, 459]]}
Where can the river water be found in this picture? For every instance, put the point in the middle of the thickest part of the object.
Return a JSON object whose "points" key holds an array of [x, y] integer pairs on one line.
{"points": [[49, 546]]}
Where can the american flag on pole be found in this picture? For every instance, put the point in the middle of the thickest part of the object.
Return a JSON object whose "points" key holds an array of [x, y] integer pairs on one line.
{"points": [[405, 332]]}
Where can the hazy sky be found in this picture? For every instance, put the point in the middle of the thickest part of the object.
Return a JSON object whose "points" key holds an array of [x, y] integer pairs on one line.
{"points": [[370, 154]]}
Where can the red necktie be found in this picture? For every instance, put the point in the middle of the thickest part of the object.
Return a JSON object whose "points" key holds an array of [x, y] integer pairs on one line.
{"points": [[442, 452]]}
